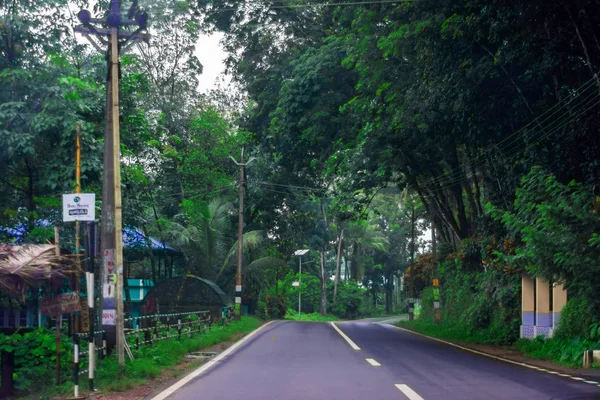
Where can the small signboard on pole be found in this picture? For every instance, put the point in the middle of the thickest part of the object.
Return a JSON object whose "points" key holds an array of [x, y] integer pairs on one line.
{"points": [[109, 317], [79, 207]]}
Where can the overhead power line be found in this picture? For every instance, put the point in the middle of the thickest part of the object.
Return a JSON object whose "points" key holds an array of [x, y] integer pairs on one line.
{"points": [[511, 142], [291, 186], [460, 179]]}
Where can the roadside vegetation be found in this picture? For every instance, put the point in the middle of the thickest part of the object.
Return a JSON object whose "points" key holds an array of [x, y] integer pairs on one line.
{"points": [[149, 362], [550, 231], [313, 317], [370, 123]]}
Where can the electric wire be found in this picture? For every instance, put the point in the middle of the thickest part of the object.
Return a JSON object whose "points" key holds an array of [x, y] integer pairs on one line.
{"points": [[502, 146]]}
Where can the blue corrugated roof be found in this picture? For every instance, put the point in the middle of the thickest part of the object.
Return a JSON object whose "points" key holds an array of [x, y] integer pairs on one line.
{"points": [[133, 238]]}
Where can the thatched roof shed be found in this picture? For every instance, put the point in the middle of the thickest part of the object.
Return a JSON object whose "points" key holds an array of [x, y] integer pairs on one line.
{"points": [[23, 267]]}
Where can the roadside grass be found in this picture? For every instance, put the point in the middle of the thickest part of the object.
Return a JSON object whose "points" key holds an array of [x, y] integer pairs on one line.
{"points": [[565, 352], [150, 361], [313, 317], [292, 315], [568, 352]]}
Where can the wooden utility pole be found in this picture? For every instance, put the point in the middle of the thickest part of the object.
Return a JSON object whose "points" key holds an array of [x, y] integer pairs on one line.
{"points": [[76, 320], [436, 281], [114, 27], [118, 232], [238, 270]]}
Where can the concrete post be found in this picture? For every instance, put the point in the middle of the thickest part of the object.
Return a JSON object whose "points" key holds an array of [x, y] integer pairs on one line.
{"points": [[543, 317], [559, 299], [527, 307]]}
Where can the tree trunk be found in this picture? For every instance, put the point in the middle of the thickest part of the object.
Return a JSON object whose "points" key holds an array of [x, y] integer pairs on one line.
{"points": [[389, 292], [337, 264], [8, 366], [583, 46], [30, 200], [346, 265], [411, 280], [323, 284]]}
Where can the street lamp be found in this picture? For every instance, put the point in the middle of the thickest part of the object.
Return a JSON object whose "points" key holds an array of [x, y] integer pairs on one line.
{"points": [[300, 253], [117, 33]]}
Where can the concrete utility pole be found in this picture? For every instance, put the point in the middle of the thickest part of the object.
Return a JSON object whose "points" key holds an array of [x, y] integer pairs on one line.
{"points": [[436, 281], [112, 223], [238, 270]]}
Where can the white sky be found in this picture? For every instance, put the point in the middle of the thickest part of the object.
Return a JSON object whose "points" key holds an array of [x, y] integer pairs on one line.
{"points": [[212, 56]]}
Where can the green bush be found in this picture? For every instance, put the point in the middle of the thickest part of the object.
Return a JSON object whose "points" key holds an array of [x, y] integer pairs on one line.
{"points": [[293, 315], [555, 231], [35, 358], [310, 289], [426, 304], [575, 319], [276, 305], [480, 306], [348, 302]]}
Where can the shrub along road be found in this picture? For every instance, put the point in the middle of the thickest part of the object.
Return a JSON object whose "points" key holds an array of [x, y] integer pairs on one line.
{"points": [[361, 360]]}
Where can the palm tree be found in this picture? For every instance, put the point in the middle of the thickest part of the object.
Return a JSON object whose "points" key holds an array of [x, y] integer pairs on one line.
{"points": [[207, 242], [363, 236], [208, 246]]}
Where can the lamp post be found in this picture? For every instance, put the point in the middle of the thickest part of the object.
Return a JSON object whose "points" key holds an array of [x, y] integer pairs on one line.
{"points": [[300, 253], [121, 32]]}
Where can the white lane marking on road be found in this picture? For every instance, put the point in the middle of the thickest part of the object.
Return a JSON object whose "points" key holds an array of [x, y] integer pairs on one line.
{"points": [[179, 384], [591, 382], [346, 338], [408, 392], [373, 362], [487, 355]]}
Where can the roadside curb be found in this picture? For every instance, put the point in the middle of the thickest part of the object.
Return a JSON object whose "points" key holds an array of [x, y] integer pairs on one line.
{"points": [[204, 367], [506, 360]]}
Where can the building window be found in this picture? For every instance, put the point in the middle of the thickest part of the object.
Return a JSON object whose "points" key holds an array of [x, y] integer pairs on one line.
{"points": [[2, 319], [11, 319], [22, 318]]}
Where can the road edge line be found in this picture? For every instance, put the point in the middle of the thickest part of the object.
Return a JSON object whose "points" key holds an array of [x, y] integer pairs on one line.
{"points": [[408, 391], [481, 353], [204, 367], [345, 337]]}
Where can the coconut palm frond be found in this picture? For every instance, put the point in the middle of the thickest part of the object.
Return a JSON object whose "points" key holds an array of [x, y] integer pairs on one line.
{"points": [[250, 241], [264, 263], [29, 256]]}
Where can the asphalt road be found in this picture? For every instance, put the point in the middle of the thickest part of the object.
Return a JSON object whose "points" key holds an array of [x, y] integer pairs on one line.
{"points": [[305, 361]]}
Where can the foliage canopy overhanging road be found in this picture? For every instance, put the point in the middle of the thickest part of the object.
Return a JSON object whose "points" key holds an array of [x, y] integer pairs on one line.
{"points": [[363, 118]]}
